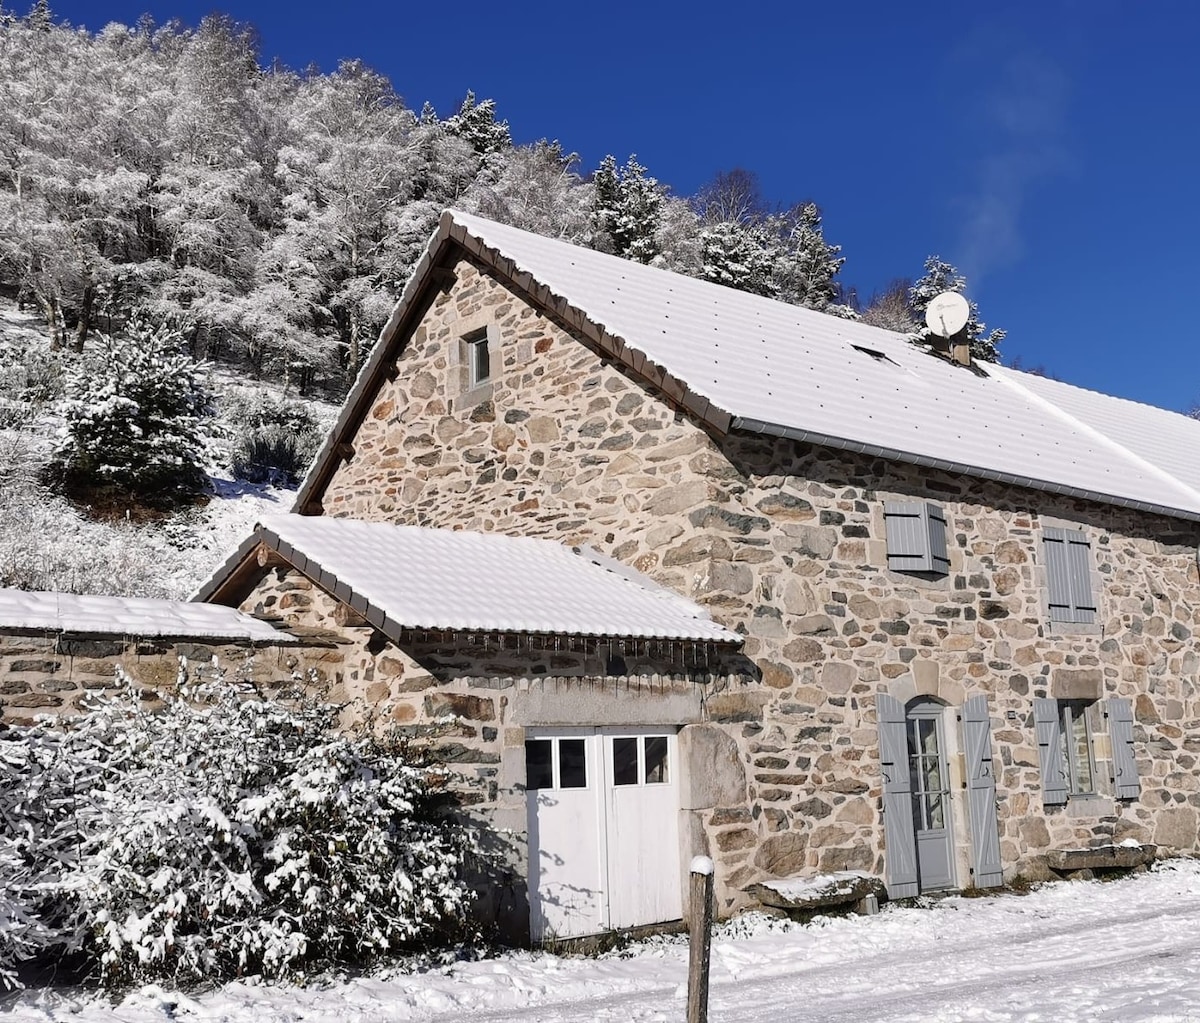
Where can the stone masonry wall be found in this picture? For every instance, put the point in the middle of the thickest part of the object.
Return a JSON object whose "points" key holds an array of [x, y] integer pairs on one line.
{"points": [[52, 673], [786, 542]]}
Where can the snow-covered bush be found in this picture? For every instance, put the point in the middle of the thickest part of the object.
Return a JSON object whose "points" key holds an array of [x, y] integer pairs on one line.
{"points": [[224, 835], [275, 440], [134, 417], [39, 843], [31, 376]]}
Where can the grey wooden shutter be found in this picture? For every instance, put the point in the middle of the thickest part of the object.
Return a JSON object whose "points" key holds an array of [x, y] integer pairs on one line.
{"points": [[1069, 575], [916, 537], [981, 793], [936, 525], [1049, 740], [900, 853], [1120, 738]]}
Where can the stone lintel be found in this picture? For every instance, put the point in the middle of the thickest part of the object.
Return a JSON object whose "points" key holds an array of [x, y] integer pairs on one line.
{"points": [[1076, 683]]}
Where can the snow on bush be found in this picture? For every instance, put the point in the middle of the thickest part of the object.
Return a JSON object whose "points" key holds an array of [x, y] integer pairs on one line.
{"points": [[223, 835], [275, 439], [39, 843]]}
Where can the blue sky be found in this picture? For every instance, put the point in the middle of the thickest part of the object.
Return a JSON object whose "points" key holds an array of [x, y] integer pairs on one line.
{"points": [[1049, 149]]}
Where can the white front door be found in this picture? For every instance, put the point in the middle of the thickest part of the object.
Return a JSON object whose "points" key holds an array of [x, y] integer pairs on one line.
{"points": [[603, 830]]}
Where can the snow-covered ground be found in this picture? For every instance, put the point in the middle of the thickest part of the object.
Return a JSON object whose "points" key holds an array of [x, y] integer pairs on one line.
{"points": [[1126, 950]]}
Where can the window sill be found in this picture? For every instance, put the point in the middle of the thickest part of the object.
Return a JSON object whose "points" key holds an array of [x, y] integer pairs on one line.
{"points": [[473, 396], [1090, 806], [1074, 629]]}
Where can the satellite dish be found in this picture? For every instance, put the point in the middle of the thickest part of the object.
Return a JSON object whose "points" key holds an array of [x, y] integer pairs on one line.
{"points": [[947, 314]]}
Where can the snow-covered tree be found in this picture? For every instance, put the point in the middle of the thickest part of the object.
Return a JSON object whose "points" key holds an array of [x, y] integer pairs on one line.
{"points": [[536, 189], [345, 173], [737, 255], [626, 210], [805, 264], [781, 254], [476, 123], [134, 419], [941, 276]]}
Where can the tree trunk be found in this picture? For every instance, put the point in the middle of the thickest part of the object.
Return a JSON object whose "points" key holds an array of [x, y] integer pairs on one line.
{"points": [[85, 316]]}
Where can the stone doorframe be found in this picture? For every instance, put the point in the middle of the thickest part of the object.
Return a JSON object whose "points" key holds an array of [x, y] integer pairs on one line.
{"points": [[923, 679]]}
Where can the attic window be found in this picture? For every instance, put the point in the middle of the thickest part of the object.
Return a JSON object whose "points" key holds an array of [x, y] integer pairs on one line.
{"points": [[479, 362], [916, 537], [878, 356]]}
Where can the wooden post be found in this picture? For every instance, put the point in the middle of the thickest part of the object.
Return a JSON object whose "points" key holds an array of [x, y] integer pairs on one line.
{"points": [[700, 910]]}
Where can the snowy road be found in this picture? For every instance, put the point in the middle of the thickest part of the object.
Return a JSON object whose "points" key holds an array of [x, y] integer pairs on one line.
{"points": [[1127, 950]]}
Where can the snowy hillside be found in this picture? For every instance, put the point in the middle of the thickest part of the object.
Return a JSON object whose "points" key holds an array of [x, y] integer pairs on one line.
{"points": [[47, 543]]}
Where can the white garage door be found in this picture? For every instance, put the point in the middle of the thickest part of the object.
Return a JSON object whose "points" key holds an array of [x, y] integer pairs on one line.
{"points": [[603, 830]]}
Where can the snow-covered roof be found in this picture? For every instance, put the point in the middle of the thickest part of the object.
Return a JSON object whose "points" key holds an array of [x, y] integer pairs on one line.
{"points": [[409, 577], [129, 616], [749, 363]]}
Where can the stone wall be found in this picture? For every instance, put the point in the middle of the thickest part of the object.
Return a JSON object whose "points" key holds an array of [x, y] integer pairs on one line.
{"points": [[786, 542], [53, 673]]}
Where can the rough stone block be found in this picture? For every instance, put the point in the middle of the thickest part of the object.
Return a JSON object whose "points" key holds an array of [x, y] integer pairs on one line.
{"points": [[783, 854], [1076, 683], [713, 772], [470, 708], [807, 893]]}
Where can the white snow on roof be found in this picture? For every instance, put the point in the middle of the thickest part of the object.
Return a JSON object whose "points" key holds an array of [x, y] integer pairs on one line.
{"points": [[446, 579], [809, 373], [129, 616]]}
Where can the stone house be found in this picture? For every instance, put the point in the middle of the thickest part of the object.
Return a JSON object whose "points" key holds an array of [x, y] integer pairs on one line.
{"points": [[966, 595]]}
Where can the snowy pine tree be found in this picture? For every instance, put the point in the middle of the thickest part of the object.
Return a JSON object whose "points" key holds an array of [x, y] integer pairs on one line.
{"points": [[626, 210], [476, 123], [941, 276], [134, 420], [738, 256]]}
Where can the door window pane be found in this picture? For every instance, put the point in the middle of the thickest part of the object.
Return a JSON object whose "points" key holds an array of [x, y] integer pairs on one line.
{"points": [[656, 760], [539, 773], [625, 761], [572, 764], [1077, 748]]}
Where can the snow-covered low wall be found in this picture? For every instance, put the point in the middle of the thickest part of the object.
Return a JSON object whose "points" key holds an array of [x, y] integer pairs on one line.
{"points": [[52, 674], [56, 648]]}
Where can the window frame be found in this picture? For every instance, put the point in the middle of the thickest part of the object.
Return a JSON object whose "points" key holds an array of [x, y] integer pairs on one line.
{"points": [[556, 763], [476, 348], [478, 354], [1071, 712]]}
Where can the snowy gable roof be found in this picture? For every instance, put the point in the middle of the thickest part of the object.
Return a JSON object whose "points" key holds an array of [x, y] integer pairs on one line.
{"points": [[743, 362], [143, 618], [411, 577]]}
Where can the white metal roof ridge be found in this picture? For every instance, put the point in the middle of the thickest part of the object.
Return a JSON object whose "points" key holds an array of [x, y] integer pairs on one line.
{"points": [[133, 617], [1101, 437], [411, 577]]}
